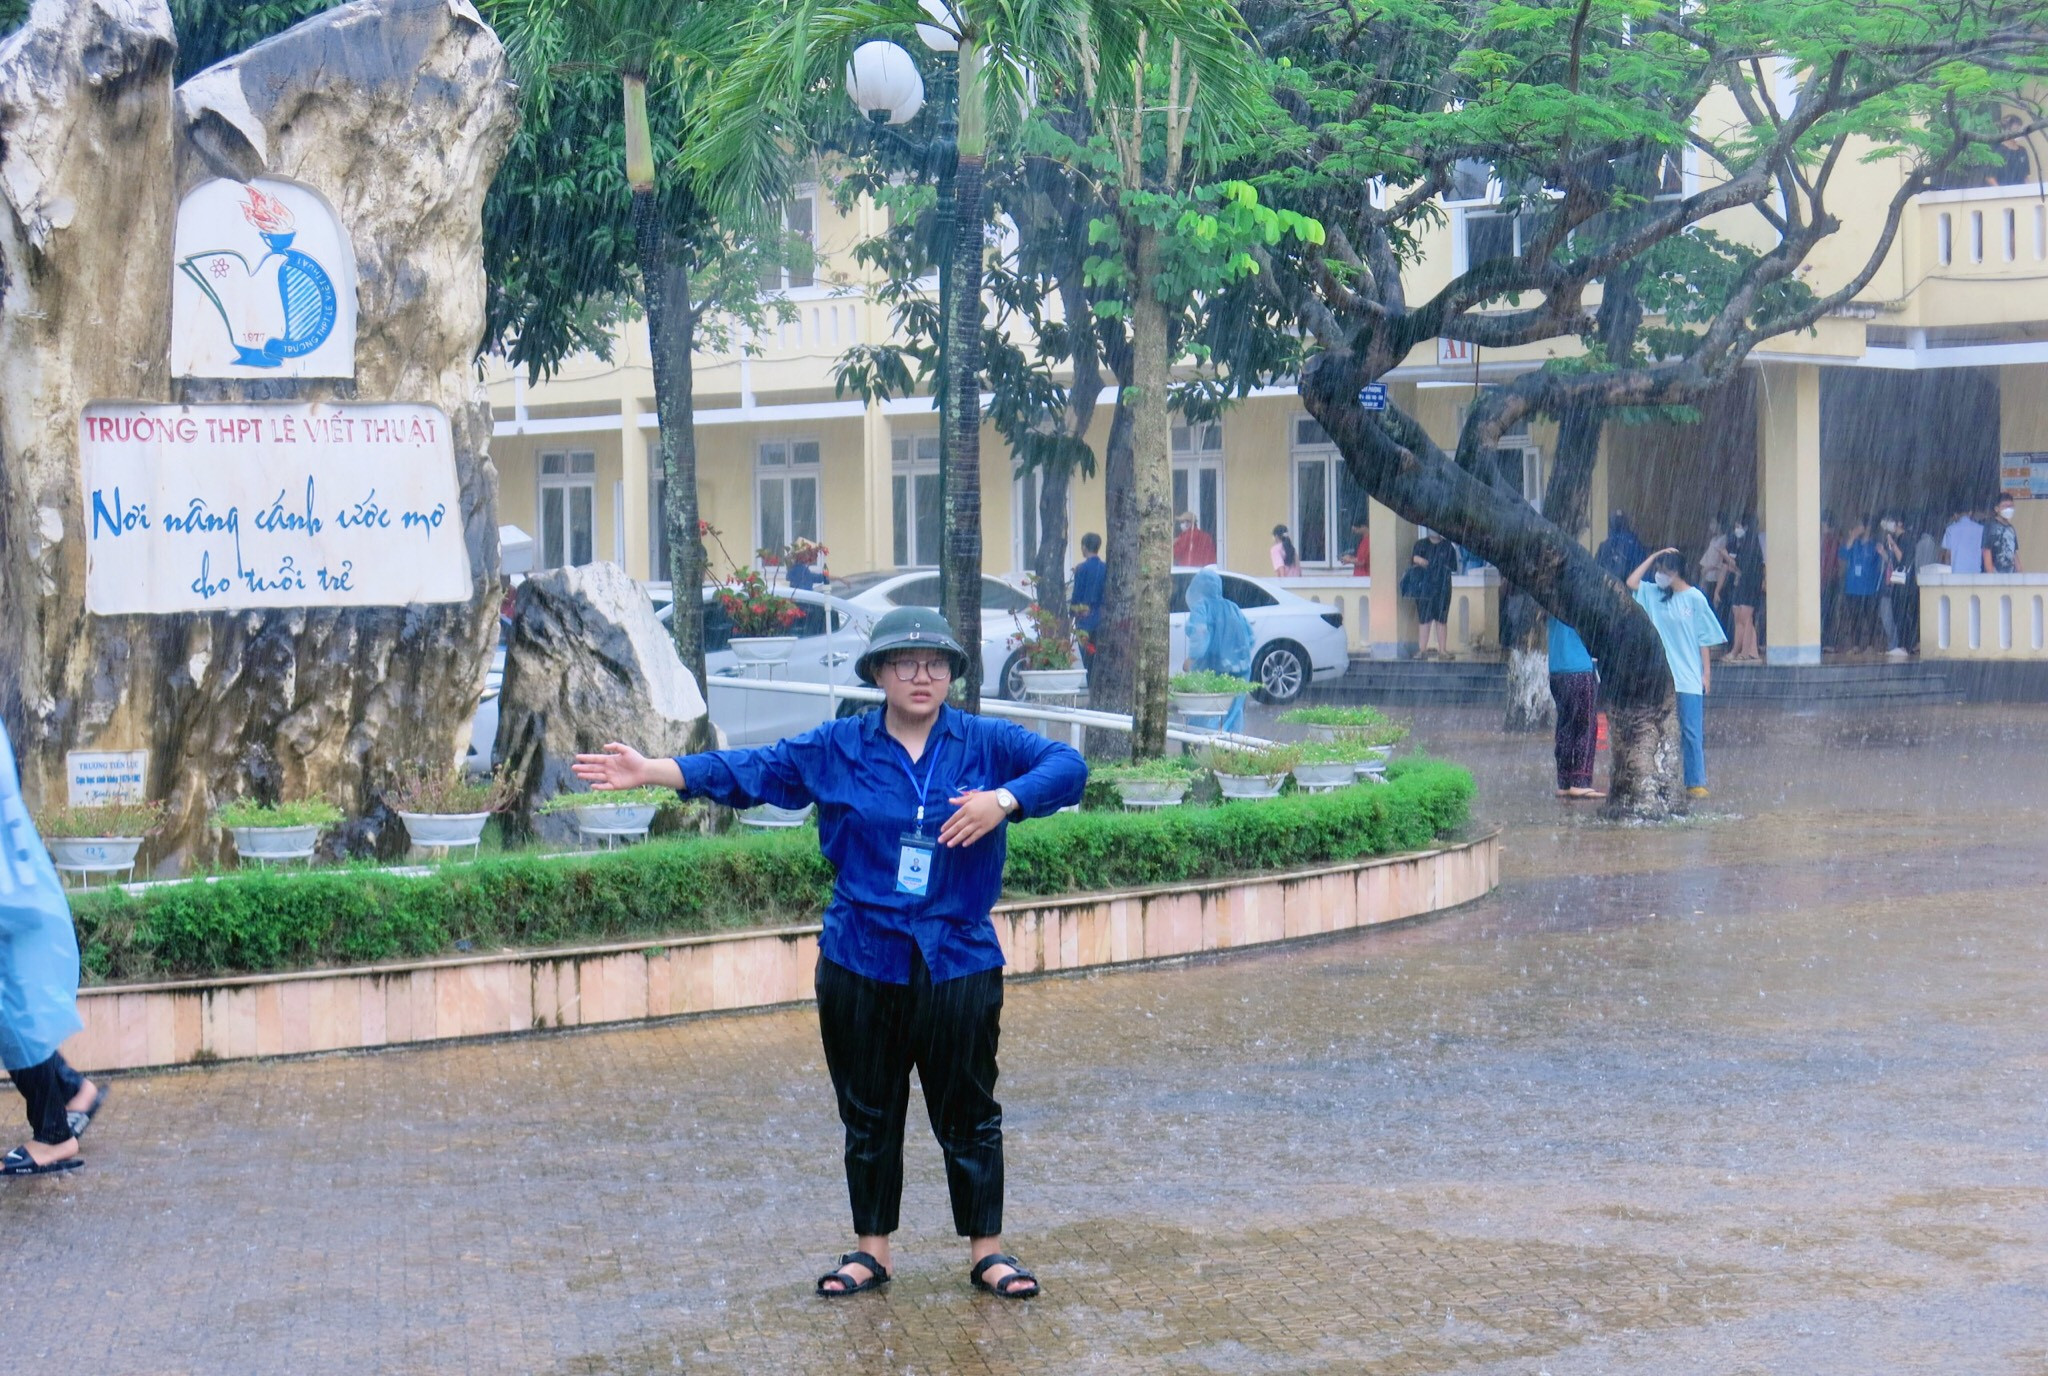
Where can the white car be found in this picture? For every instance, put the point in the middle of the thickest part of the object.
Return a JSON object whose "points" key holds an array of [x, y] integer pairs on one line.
{"points": [[1003, 603], [1296, 642]]}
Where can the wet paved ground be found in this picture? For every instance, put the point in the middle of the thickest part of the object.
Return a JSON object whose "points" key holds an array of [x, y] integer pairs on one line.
{"points": [[1759, 1093]]}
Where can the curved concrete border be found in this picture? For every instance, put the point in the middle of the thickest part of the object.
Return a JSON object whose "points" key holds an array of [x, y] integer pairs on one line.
{"points": [[134, 1025]]}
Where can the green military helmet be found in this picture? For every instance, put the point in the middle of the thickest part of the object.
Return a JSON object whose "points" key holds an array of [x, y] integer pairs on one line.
{"points": [[910, 628]]}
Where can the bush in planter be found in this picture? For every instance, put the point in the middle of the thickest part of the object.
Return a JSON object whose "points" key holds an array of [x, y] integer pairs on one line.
{"points": [[450, 792], [1165, 769], [96, 820], [1205, 681], [247, 812], [258, 921], [649, 796], [1252, 764], [1042, 644], [1367, 725]]}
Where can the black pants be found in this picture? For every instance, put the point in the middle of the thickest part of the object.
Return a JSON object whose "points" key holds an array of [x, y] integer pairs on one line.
{"points": [[1578, 721], [49, 1087], [874, 1034], [1861, 629]]}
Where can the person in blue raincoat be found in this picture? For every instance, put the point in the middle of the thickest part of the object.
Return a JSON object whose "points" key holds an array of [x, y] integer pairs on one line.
{"points": [[1219, 640], [38, 990]]}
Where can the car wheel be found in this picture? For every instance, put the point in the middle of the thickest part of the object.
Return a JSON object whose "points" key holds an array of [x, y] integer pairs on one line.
{"points": [[1282, 672], [1011, 685]]}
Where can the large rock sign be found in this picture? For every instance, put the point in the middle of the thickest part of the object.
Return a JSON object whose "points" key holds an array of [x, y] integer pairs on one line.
{"points": [[384, 120]]}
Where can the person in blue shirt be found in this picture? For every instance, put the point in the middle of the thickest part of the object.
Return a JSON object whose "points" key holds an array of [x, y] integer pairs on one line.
{"points": [[1862, 583], [1688, 628], [1090, 586], [1575, 688], [912, 801], [38, 991]]}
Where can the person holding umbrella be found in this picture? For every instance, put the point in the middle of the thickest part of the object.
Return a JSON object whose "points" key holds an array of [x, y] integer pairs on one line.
{"points": [[38, 991], [912, 802]]}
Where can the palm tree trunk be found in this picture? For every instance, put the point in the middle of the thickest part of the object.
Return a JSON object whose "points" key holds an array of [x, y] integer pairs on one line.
{"points": [[961, 554], [1152, 498]]}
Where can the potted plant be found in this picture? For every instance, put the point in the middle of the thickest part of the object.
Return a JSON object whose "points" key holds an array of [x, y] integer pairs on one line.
{"points": [[276, 831], [625, 812], [1366, 726], [1253, 773], [442, 808], [771, 817], [98, 838], [1203, 693], [1163, 782], [1049, 660], [759, 617], [1326, 765]]}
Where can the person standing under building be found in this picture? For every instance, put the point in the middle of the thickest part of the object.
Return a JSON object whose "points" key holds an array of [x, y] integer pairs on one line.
{"points": [[913, 802], [1428, 581], [1193, 547], [1575, 688], [1862, 582], [1686, 625], [1084, 599], [38, 991], [1286, 562], [1622, 550], [2001, 541], [1361, 553], [1715, 565], [1746, 547], [1962, 544], [1898, 577]]}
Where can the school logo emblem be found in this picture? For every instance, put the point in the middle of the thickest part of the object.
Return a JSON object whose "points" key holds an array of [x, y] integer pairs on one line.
{"points": [[265, 284]]}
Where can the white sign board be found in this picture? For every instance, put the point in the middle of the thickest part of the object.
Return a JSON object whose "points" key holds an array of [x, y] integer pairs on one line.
{"points": [[107, 776], [265, 284], [217, 508], [1453, 351]]}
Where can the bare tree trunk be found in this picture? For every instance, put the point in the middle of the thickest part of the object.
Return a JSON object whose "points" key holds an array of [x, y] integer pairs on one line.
{"points": [[1524, 628], [1116, 662], [671, 337], [1049, 558], [1643, 746], [960, 558], [1152, 499]]}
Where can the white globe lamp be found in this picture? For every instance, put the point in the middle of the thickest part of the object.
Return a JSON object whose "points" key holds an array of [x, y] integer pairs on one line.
{"points": [[883, 82], [939, 39]]}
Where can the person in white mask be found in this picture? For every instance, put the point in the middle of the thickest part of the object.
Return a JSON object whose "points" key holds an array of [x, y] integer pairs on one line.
{"points": [[2001, 541], [1688, 628]]}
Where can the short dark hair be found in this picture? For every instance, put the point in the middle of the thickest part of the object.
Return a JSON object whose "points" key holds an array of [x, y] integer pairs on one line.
{"points": [[1090, 543], [2007, 497]]}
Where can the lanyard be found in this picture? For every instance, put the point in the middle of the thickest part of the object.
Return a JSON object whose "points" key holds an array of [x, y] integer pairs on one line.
{"points": [[930, 763]]}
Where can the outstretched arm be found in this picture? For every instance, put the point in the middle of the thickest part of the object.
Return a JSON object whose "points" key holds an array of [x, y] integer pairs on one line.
{"points": [[622, 767]]}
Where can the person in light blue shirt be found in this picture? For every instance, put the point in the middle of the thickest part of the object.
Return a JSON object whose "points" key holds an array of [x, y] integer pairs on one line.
{"points": [[38, 990], [1575, 688], [912, 805], [1688, 627]]}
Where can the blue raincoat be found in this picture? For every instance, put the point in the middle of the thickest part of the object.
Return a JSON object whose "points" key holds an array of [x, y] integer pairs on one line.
{"points": [[38, 947], [1219, 640]]}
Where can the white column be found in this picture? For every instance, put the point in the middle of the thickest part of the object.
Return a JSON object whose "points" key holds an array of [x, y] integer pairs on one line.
{"points": [[637, 483], [1788, 450]]}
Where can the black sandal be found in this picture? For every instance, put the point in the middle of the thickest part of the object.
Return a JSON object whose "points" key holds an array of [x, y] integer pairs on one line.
{"points": [[878, 1276], [1005, 1287], [19, 1162]]}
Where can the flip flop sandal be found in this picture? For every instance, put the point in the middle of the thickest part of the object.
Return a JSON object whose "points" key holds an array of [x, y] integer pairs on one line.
{"points": [[1010, 1287], [81, 1119], [848, 1286], [19, 1162]]}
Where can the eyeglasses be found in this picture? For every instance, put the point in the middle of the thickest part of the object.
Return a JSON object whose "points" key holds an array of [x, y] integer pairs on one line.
{"points": [[937, 670]]}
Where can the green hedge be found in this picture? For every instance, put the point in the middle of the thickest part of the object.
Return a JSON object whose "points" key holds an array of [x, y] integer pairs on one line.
{"points": [[259, 921]]}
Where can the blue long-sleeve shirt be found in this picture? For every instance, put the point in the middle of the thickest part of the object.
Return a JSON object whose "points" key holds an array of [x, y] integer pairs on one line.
{"points": [[865, 786], [1091, 585]]}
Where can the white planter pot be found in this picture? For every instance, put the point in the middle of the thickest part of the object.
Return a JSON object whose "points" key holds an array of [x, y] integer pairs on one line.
{"points": [[762, 649], [1202, 704], [275, 843], [614, 819], [1321, 776], [1152, 792], [94, 853], [769, 815], [444, 828], [1052, 682], [1375, 770], [1250, 785]]}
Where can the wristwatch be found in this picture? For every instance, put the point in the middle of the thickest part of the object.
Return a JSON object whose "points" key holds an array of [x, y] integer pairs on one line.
{"points": [[1008, 800]]}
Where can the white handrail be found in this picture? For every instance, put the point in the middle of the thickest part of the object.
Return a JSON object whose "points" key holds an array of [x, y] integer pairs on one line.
{"points": [[1004, 707]]}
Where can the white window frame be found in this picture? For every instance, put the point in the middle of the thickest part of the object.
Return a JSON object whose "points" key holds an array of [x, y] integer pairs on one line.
{"points": [[911, 457], [1194, 459], [1024, 492], [1336, 526], [785, 280], [786, 471], [578, 470]]}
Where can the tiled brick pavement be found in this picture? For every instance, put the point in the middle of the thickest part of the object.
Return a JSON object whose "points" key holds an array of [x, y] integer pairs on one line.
{"points": [[1761, 1093]]}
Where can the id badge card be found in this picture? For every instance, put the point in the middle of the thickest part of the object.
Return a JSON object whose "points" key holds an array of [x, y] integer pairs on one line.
{"points": [[914, 865]]}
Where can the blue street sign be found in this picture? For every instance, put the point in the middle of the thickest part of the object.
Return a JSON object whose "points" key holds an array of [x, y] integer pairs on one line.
{"points": [[1373, 396]]}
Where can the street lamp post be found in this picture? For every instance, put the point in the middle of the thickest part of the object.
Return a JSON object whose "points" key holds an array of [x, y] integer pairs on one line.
{"points": [[883, 81]]}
